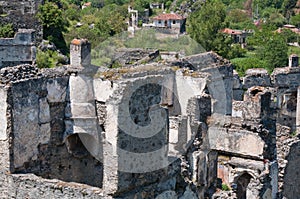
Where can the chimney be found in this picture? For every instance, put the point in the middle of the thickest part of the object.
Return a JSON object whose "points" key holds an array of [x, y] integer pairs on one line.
{"points": [[80, 52], [293, 60]]}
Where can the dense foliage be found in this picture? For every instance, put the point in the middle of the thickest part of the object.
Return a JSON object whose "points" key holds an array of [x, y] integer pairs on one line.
{"points": [[54, 24], [64, 20]]}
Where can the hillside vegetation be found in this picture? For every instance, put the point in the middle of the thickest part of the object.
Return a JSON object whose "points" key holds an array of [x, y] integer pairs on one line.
{"points": [[64, 20]]}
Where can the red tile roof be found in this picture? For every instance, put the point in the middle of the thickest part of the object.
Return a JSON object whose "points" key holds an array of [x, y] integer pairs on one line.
{"points": [[231, 32], [167, 16]]}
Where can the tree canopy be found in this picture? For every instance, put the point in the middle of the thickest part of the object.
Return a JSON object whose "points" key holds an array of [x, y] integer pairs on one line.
{"points": [[271, 47], [204, 24], [53, 23]]}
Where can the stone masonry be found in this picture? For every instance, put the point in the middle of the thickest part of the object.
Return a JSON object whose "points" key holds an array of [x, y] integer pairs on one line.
{"points": [[18, 50], [184, 128], [22, 14]]}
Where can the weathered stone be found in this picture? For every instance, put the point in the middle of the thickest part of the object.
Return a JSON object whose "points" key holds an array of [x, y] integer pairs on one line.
{"points": [[23, 53], [256, 77], [3, 116], [56, 90], [189, 194], [102, 89], [234, 141], [44, 111], [167, 195], [126, 134], [45, 133], [83, 110], [298, 111], [81, 89]]}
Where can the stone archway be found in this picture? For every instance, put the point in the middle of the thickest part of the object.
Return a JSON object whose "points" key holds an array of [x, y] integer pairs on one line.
{"points": [[242, 184]]}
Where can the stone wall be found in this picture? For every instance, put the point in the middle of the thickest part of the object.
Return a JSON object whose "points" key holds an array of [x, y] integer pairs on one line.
{"points": [[22, 13], [18, 50], [148, 130], [77, 130]]}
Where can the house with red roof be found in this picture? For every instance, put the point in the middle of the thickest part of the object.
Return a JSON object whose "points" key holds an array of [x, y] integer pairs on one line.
{"points": [[238, 36], [169, 20]]}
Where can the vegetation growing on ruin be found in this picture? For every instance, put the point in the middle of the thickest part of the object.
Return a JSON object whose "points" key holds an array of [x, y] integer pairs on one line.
{"points": [[225, 187], [6, 30], [48, 59]]}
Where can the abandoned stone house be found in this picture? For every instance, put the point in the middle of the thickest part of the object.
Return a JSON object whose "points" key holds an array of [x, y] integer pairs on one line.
{"points": [[181, 129]]}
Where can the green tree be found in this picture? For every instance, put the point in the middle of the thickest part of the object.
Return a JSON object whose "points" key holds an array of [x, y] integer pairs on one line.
{"points": [[242, 64], [262, 4], [53, 23], [205, 24], [289, 36], [72, 13], [239, 19], [276, 19], [295, 20], [237, 16], [236, 51], [287, 7], [270, 47], [98, 25], [274, 52]]}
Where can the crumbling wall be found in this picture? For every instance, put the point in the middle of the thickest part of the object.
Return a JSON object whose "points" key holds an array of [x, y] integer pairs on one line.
{"points": [[22, 14], [150, 131], [18, 50], [33, 113], [32, 186], [279, 107], [246, 147]]}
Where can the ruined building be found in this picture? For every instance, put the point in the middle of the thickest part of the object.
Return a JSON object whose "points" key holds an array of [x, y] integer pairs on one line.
{"points": [[18, 50], [22, 14], [187, 128]]}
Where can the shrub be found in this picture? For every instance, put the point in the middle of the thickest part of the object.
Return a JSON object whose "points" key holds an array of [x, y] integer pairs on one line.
{"points": [[49, 59], [242, 64], [225, 187], [43, 59], [6, 30]]}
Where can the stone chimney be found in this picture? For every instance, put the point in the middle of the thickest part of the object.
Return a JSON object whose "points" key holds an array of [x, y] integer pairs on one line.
{"points": [[293, 60], [80, 52]]}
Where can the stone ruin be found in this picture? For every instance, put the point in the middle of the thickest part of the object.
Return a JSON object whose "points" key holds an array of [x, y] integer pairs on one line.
{"points": [[22, 14], [185, 128], [18, 50]]}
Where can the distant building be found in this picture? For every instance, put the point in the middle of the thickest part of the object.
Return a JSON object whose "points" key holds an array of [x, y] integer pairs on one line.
{"points": [[85, 5], [238, 36], [293, 60], [170, 20], [133, 20], [157, 5], [289, 27]]}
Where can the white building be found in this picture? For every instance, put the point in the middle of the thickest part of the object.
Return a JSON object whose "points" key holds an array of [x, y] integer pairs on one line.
{"points": [[169, 20]]}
